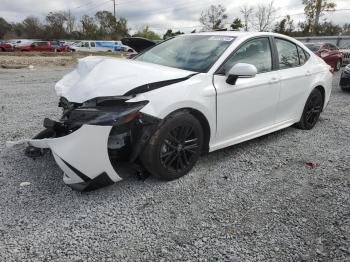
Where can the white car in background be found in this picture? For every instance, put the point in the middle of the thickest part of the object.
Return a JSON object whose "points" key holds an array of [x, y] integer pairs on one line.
{"points": [[100, 46], [21, 42], [189, 95]]}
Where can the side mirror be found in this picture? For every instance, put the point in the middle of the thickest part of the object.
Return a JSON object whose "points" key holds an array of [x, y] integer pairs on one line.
{"points": [[241, 70]]}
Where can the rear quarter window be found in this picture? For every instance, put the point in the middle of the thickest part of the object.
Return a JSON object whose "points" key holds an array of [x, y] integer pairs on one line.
{"points": [[303, 55]]}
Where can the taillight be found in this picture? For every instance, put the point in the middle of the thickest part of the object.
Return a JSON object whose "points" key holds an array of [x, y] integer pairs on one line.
{"points": [[331, 69]]}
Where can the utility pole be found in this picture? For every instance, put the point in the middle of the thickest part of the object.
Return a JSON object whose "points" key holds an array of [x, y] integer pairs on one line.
{"points": [[317, 16], [114, 9]]}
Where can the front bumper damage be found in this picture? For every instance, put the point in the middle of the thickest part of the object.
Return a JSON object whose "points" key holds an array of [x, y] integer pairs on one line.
{"points": [[93, 149], [83, 157]]}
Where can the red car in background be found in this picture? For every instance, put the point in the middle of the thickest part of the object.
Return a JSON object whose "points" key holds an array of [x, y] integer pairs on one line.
{"points": [[43, 46], [328, 52], [4, 46]]}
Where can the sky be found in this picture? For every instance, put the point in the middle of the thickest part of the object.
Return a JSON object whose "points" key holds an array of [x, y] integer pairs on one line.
{"points": [[158, 14]]}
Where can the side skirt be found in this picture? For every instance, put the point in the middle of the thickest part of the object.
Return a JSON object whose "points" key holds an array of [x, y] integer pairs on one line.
{"points": [[252, 135]]}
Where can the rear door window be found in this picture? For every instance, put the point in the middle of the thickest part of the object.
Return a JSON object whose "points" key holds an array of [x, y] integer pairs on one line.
{"points": [[287, 54]]}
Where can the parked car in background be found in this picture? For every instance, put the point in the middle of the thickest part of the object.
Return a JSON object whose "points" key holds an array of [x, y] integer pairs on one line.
{"points": [[5, 46], [60, 46], [345, 79], [345, 49], [43, 46], [21, 42], [328, 52], [189, 95], [100, 46], [139, 44]]}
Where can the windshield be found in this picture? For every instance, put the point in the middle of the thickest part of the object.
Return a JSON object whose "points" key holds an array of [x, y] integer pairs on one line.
{"points": [[190, 52], [313, 47]]}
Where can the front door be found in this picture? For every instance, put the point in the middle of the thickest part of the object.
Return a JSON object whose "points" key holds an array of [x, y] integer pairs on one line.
{"points": [[248, 107]]}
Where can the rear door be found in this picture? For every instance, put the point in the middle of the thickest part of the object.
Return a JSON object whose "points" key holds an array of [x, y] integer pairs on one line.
{"points": [[35, 46], [296, 78]]}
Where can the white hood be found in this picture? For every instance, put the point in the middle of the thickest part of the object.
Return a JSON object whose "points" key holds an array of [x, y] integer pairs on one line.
{"points": [[100, 76]]}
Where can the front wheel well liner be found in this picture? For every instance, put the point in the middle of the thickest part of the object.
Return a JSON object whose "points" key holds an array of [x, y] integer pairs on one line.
{"points": [[202, 120]]}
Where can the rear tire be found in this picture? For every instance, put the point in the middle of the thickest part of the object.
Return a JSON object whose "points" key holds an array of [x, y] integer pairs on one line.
{"points": [[312, 110], [174, 148]]}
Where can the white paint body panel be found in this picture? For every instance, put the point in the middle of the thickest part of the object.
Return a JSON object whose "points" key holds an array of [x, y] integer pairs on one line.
{"points": [[101, 76], [85, 149], [251, 108]]}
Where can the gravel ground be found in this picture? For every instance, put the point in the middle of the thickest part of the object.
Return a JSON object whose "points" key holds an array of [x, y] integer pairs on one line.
{"points": [[37, 60], [257, 201], [47, 58]]}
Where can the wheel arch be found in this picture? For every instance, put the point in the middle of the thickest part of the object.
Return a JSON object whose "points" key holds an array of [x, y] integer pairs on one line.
{"points": [[202, 120], [323, 92]]}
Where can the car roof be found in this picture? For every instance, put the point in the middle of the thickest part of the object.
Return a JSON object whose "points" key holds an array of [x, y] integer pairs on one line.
{"points": [[238, 33], [245, 35]]}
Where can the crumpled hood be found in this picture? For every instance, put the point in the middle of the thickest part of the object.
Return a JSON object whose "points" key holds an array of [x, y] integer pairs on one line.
{"points": [[101, 76]]}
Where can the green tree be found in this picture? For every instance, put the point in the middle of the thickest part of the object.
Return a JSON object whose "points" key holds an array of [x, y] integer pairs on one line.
{"points": [[89, 27], [147, 33], [329, 29], [5, 27], [213, 18], [285, 26], [17, 30], [314, 9], [122, 28], [264, 15], [169, 33], [107, 24], [32, 27], [237, 24], [346, 29], [55, 25]]}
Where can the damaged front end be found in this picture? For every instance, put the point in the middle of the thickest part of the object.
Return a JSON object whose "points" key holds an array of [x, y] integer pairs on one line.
{"points": [[96, 143]]}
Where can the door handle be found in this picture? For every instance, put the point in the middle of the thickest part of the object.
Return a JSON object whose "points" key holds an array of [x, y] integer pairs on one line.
{"points": [[274, 80], [308, 73]]}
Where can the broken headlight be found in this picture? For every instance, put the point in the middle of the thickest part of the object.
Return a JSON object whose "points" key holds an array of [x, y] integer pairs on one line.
{"points": [[103, 111]]}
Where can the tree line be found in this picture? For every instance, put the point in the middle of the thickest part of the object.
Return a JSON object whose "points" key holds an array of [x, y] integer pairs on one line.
{"points": [[64, 25], [264, 18], [103, 25]]}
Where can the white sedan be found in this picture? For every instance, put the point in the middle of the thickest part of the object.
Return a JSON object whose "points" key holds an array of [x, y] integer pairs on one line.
{"points": [[190, 95]]}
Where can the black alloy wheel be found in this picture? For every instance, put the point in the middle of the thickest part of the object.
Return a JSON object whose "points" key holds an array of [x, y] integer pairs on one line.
{"points": [[174, 148], [179, 148], [312, 110]]}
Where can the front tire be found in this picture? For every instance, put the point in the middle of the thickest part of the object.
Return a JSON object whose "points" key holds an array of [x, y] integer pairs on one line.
{"points": [[175, 147], [312, 111]]}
